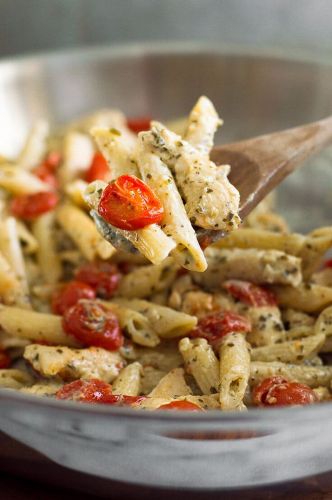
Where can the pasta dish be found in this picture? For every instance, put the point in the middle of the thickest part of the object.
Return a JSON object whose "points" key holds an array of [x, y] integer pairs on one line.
{"points": [[107, 296]]}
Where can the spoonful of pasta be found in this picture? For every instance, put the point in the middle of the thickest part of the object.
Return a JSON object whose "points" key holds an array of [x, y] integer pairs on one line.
{"points": [[172, 195]]}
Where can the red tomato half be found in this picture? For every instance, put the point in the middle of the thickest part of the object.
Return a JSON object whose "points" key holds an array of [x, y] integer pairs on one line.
{"points": [[98, 170], [87, 391], [92, 324], [95, 391], [137, 125], [30, 206], [45, 174], [215, 326], [128, 203], [53, 160], [277, 391], [102, 276], [5, 360], [70, 294], [180, 405], [327, 264], [250, 294]]}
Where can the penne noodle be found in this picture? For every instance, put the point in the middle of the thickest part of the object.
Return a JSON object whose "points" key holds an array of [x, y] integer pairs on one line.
{"points": [[201, 362]]}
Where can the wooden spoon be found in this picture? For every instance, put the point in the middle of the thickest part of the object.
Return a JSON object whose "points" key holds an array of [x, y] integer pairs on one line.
{"points": [[258, 165]]}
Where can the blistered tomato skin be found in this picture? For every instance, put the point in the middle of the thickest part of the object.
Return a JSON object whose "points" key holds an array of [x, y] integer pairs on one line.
{"points": [[69, 294], [98, 169], [180, 405], [28, 207], [215, 326], [95, 391], [92, 324], [5, 360], [86, 391], [128, 203], [45, 174], [102, 276], [278, 391], [250, 294], [137, 125]]}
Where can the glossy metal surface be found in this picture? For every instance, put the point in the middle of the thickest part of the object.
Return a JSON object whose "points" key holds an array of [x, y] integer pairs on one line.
{"points": [[254, 94]]}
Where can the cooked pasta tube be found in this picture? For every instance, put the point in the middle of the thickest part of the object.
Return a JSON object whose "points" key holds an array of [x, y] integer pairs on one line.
{"points": [[18, 181], [34, 326], [234, 371], [10, 287], [292, 351], [135, 324], [256, 266], [78, 153], [45, 389], [28, 241], [34, 149], [105, 118], [316, 244], [14, 379], [306, 297], [128, 381], [201, 362], [266, 326], [166, 322], [81, 229], [295, 319], [47, 254], [75, 190], [264, 240], [175, 222], [324, 322], [11, 249], [172, 385], [151, 241], [314, 376], [145, 280], [202, 124], [118, 152], [71, 364]]}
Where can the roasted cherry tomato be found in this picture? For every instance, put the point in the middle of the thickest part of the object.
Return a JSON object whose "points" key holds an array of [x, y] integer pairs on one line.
{"points": [[250, 294], [87, 391], [5, 360], [98, 170], [215, 326], [128, 203], [92, 324], [45, 174], [53, 160], [138, 124], [95, 391], [278, 391], [30, 206], [102, 276], [180, 405], [69, 294], [327, 264]]}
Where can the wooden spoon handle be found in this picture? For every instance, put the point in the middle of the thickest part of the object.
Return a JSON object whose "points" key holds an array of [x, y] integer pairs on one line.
{"points": [[260, 164]]}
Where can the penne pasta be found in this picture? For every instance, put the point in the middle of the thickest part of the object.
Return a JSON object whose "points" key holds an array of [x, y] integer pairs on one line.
{"points": [[47, 255], [166, 322], [128, 381], [234, 356], [34, 326], [201, 362], [292, 351]]}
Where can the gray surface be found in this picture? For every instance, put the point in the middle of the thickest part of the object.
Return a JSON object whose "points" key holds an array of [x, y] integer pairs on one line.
{"points": [[31, 25]]}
